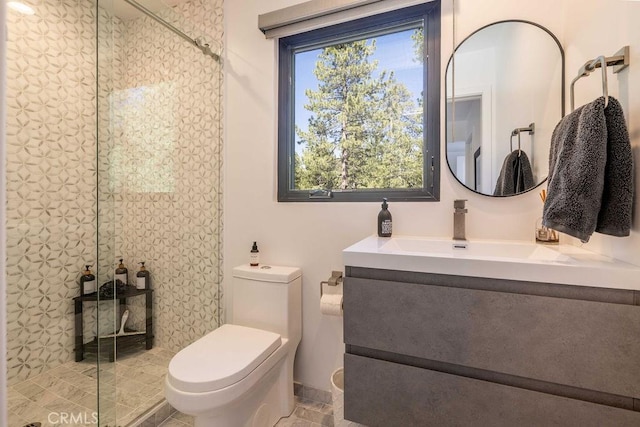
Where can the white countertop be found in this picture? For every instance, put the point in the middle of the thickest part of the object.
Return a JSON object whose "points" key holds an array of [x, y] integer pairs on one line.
{"points": [[507, 259]]}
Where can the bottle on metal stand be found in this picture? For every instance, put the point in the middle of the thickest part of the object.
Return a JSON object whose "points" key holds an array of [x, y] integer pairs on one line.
{"points": [[87, 281], [143, 278]]}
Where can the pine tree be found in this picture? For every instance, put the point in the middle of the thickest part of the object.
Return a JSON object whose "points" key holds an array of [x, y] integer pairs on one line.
{"points": [[364, 131]]}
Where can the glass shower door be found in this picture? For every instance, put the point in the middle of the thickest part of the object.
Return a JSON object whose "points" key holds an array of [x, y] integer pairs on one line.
{"points": [[52, 204], [159, 161]]}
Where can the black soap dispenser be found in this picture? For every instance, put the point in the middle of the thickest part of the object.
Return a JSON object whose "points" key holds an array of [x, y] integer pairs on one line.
{"points": [[87, 282], [122, 273], [384, 220], [254, 255], [143, 279]]}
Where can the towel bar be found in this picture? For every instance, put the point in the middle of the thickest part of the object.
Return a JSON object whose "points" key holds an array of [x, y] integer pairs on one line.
{"points": [[619, 61]]}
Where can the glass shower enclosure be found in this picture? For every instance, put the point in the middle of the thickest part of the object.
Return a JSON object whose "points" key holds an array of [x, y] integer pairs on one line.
{"points": [[113, 152]]}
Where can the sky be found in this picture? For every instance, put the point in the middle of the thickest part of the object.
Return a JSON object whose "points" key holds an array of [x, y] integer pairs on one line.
{"points": [[394, 52]]}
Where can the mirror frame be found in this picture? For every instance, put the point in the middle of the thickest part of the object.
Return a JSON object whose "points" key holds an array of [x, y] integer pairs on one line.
{"points": [[446, 115]]}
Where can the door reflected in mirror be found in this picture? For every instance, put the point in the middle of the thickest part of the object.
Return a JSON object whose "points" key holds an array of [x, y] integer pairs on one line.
{"points": [[505, 95]]}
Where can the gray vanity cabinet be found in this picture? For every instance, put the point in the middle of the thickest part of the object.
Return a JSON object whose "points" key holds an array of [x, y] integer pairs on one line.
{"points": [[441, 350]]}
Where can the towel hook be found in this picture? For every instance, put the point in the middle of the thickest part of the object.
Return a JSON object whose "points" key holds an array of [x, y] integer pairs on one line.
{"points": [[517, 131]]}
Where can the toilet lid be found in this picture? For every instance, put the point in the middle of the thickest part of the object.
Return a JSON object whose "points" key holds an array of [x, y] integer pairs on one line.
{"points": [[221, 358]]}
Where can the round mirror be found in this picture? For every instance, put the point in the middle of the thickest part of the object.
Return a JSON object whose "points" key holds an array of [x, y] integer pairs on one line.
{"points": [[505, 95]]}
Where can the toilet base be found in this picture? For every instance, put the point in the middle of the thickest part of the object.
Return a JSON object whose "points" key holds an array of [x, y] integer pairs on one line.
{"points": [[263, 406], [258, 400]]}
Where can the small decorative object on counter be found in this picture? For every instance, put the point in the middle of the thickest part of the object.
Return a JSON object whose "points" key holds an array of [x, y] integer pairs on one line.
{"points": [[384, 220], [254, 255], [544, 234], [87, 281], [122, 273], [143, 278]]}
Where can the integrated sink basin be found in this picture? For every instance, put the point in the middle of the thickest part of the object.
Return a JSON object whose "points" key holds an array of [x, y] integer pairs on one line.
{"points": [[514, 260], [506, 251]]}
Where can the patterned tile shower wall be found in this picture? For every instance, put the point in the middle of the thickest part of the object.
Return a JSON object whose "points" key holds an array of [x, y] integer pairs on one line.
{"points": [[160, 204], [51, 179], [165, 169]]}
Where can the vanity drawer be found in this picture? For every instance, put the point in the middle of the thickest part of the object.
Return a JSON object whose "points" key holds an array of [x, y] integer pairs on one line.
{"points": [[585, 344], [386, 394]]}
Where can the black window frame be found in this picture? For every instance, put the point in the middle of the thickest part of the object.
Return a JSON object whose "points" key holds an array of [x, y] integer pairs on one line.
{"points": [[429, 13]]}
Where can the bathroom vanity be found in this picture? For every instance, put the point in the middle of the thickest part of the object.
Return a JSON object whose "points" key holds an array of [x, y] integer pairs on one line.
{"points": [[495, 334]]}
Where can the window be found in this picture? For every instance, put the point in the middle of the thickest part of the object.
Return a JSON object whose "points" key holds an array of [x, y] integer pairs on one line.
{"points": [[359, 109]]}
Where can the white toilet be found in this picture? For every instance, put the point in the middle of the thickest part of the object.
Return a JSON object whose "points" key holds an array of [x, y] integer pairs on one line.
{"points": [[241, 374]]}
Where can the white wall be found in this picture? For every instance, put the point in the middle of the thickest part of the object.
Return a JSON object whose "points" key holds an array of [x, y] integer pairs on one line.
{"points": [[312, 235], [601, 27]]}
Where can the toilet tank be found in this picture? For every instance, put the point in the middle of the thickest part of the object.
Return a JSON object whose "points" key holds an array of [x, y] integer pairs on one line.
{"points": [[268, 297]]}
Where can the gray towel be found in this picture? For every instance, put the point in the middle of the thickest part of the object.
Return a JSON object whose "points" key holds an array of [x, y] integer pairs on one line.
{"points": [[515, 176], [617, 197], [576, 189]]}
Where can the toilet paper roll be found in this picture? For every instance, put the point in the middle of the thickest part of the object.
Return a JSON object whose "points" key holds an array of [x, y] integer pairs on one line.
{"points": [[331, 304]]}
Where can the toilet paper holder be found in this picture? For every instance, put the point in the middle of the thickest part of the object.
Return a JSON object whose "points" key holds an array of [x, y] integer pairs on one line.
{"points": [[334, 280]]}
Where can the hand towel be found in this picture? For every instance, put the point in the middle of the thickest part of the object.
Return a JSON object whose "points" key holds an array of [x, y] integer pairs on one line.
{"points": [[516, 175], [577, 162], [617, 197]]}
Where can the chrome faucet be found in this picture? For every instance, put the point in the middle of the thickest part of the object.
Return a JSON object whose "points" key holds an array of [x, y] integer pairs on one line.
{"points": [[458, 219]]}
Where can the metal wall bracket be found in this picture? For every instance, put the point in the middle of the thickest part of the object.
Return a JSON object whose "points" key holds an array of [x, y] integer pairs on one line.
{"points": [[622, 59], [334, 280]]}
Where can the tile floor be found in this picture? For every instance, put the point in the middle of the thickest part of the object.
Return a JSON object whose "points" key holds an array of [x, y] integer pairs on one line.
{"points": [[128, 389], [134, 388], [308, 413]]}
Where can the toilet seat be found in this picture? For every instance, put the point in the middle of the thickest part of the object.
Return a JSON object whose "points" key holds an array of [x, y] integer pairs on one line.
{"points": [[221, 358]]}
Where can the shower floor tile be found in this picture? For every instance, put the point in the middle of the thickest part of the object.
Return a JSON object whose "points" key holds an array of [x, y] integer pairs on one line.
{"points": [[67, 395]]}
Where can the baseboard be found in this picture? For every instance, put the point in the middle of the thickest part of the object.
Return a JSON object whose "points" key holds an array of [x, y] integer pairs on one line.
{"points": [[310, 393]]}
